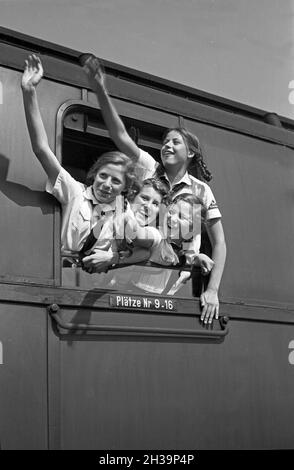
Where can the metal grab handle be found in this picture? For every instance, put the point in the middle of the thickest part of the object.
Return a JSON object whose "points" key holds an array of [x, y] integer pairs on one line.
{"points": [[140, 330]]}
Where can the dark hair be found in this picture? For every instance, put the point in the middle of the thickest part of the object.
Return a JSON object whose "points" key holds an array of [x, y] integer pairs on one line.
{"points": [[197, 166], [193, 201], [155, 183], [115, 158]]}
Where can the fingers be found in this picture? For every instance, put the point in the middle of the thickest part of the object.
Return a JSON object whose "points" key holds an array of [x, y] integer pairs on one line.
{"points": [[204, 270], [83, 58], [87, 265], [204, 310], [87, 261], [93, 265], [202, 300], [34, 61], [184, 276], [93, 63], [37, 64], [204, 307], [25, 71], [209, 310], [207, 314], [206, 266], [33, 64], [27, 64], [92, 66]]}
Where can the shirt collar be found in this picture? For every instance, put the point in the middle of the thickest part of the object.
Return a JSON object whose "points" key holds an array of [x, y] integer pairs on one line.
{"points": [[105, 207], [90, 195], [186, 179]]}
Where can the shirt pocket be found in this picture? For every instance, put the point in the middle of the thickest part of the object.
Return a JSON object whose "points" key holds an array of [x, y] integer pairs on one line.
{"points": [[85, 213], [82, 219]]}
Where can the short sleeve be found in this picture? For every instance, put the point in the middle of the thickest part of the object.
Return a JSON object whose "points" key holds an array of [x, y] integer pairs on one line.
{"points": [[146, 165], [65, 187], [211, 208]]}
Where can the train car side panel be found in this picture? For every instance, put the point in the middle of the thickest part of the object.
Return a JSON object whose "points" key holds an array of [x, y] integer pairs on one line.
{"points": [[253, 183], [26, 210], [174, 393], [23, 377]]}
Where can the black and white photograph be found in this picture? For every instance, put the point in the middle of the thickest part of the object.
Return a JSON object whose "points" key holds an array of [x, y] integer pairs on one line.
{"points": [[147, 229]]}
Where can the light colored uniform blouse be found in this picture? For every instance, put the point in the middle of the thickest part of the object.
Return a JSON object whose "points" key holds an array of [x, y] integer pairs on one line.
{"points": [[192, 185], [80, 212]]}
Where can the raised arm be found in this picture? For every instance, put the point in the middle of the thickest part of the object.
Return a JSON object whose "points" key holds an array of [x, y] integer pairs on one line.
{"points": [[209, 298], [115, 126], [32, 75]]}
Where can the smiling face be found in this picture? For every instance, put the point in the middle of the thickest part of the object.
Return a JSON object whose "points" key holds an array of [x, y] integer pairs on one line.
{"points": [[146, 205], [109, 182], [179, 221], [175, 151]]}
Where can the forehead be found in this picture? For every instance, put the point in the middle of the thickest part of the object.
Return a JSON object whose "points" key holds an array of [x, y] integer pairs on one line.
{"points": [[151, 192], [113, 170], [174, 135]]}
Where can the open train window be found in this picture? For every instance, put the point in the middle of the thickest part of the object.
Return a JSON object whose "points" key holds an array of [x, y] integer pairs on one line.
{"points": [[85, 138]]}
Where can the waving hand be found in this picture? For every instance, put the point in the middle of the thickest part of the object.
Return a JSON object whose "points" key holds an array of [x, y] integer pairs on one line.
{"points": [[33, 72]]}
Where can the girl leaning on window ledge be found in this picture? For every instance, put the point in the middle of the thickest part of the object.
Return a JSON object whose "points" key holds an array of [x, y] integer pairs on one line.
{"points": [[179, 153], [83, 207]]}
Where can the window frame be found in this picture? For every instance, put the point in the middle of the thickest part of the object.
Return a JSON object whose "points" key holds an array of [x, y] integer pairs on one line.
{"points": [[84, 106]]}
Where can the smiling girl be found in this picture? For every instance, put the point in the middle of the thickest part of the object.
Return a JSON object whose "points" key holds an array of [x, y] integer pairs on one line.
{"points": [[179, 153], [82, 206]]}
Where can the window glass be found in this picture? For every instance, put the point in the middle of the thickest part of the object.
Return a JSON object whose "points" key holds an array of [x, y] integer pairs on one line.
{"points": [[136, 279]]}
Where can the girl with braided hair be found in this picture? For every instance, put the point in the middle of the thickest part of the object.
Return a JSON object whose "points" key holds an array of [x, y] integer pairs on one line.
{"points": [[180, 149], [197, 167]]}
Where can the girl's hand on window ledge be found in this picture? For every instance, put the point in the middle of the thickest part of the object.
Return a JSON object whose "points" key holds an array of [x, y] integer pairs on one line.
{"points": [[204, 262], [210, 305], [98, 262]]}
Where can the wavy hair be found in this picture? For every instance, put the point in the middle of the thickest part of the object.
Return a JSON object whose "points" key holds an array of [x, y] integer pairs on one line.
{"points": [[197, 165], [116, 158], [154, 183]]}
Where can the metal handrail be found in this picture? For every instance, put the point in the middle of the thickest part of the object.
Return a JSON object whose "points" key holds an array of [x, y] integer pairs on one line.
{"points": [[74, 258], [139, 330]]}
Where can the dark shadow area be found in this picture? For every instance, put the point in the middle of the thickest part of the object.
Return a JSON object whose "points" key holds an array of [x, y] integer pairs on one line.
{"points": [[83, 314], [20, 194], [199, 281]]}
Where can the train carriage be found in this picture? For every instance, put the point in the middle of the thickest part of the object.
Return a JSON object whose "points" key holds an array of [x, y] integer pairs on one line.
{"points": [[104, 361]]}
